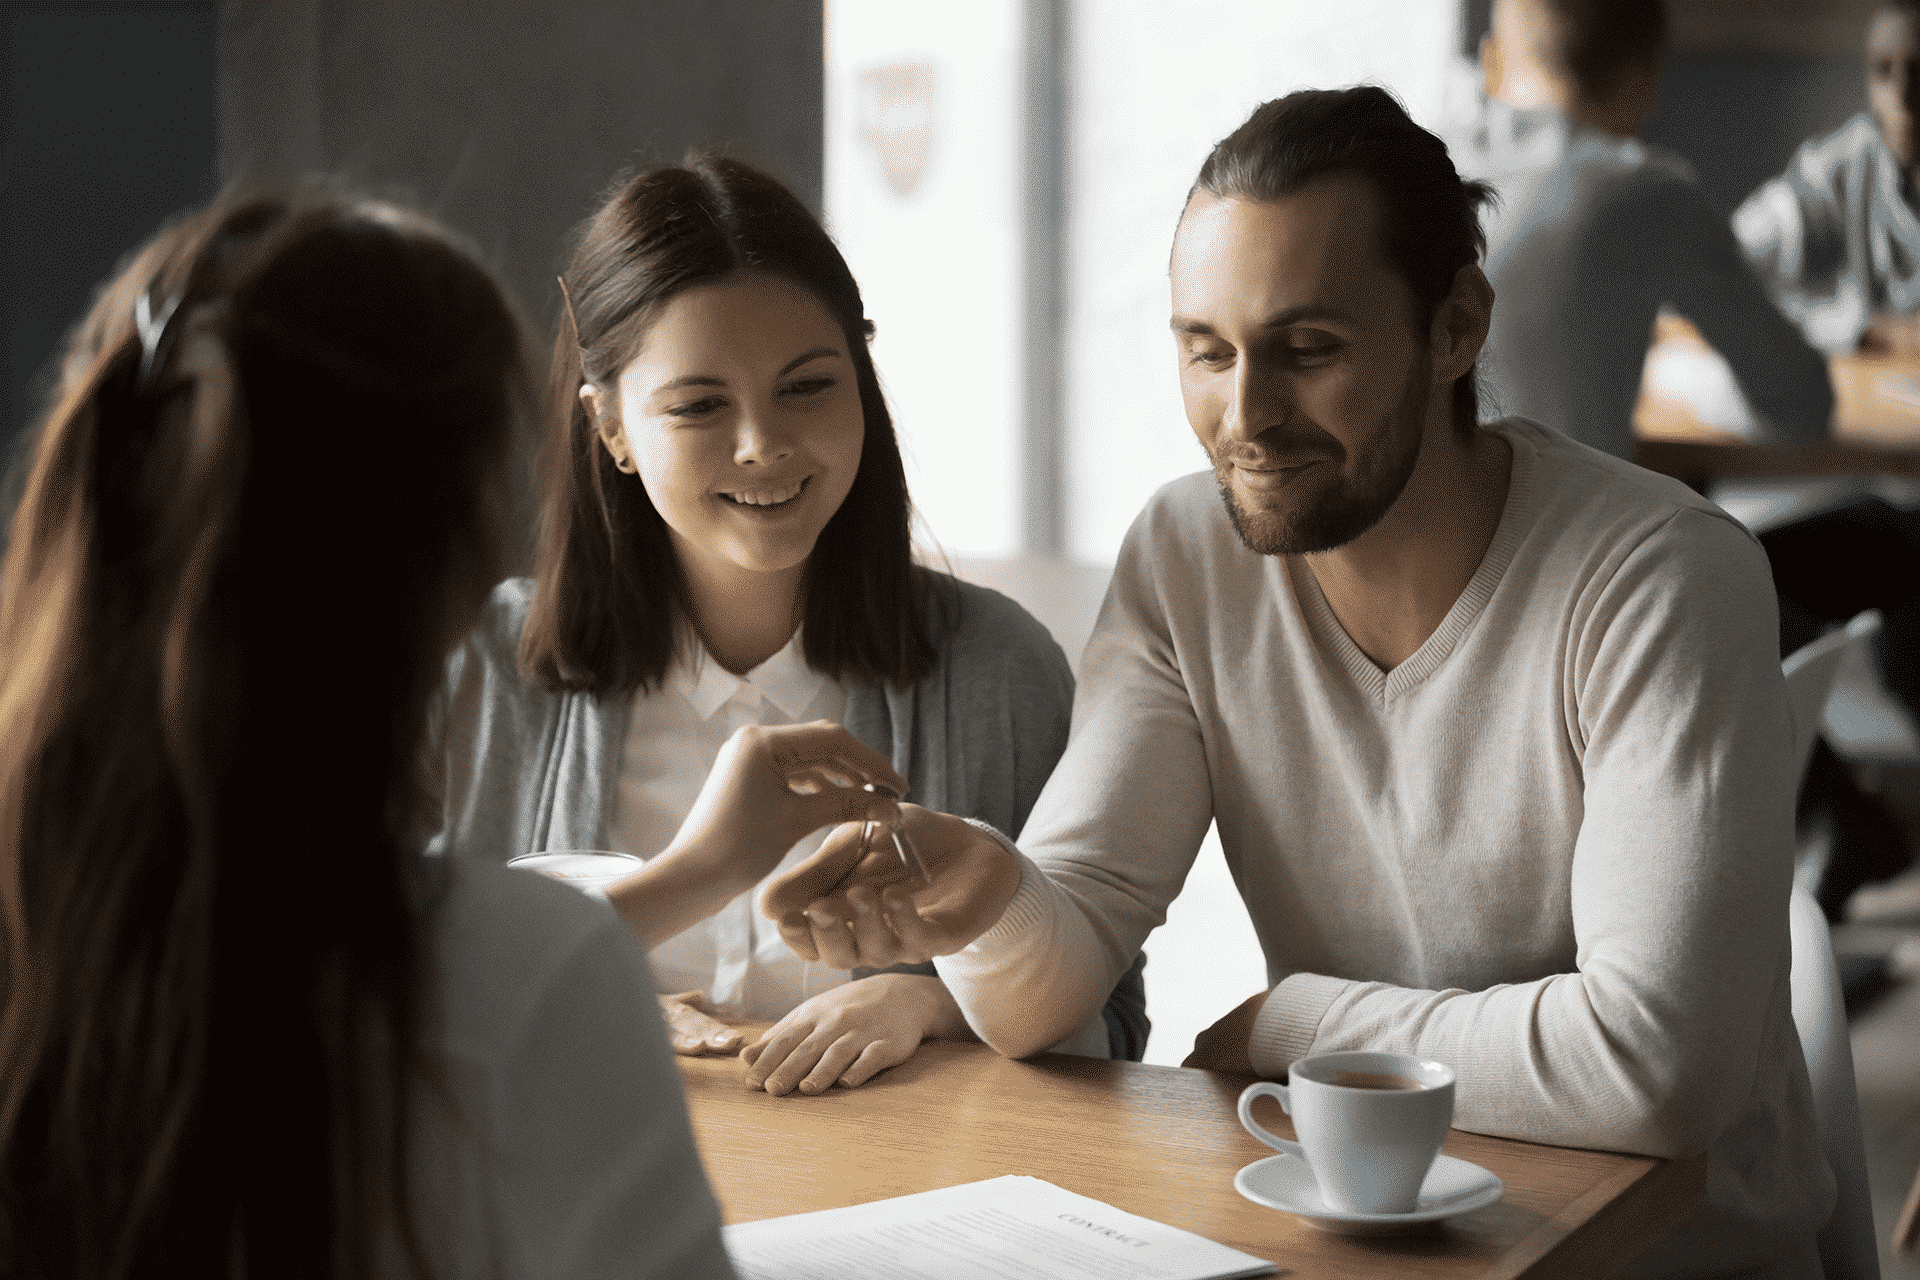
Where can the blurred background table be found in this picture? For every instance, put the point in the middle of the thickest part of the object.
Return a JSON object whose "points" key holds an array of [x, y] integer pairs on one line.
{"points": [[1161, 1142], [1695, 437]]}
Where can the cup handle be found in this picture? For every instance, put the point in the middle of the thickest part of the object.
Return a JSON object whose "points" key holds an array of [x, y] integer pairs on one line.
{"points": [[1267, 1088]]}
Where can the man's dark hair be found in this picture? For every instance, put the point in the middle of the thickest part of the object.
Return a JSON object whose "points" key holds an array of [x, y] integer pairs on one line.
{"points": [[1597, 41], [1429, 215]]}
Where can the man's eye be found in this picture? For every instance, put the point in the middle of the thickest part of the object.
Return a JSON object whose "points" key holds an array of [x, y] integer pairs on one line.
{"points": [[1207, 359]]}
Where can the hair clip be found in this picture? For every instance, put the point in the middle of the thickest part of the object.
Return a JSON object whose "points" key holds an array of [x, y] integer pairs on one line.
{"points": [[153, 330], [566, 300]]}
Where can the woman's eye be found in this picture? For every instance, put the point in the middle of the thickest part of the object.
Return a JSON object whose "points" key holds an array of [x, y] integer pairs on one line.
{"points": [[696, 408], [808, 386]]}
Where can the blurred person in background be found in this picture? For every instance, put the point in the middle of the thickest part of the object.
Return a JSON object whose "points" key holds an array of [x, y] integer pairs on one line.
{"points": [[1837, 236], [725, 542], [1597, 231], [246, 1027]]}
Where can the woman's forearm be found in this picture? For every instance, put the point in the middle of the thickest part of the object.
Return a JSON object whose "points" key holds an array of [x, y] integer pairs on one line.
{"points": [[675, 890]]}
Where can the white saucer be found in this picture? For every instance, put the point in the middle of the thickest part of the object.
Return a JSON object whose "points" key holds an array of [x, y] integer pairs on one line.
{"points": [[1285, 1182]]}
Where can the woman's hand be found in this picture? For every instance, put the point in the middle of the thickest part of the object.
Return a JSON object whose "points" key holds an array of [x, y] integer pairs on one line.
{"points": [[772, 785], [854, 904], [769, 786], [692, 1028], [852, 1033]]}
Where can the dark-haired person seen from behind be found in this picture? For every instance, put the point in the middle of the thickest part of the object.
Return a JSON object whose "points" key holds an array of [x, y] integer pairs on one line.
{"points": [[725, 542], [246, 1027], [1492, 724]]}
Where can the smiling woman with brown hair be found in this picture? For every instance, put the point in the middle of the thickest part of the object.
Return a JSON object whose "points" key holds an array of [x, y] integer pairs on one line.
{"points": [[725, 542]]}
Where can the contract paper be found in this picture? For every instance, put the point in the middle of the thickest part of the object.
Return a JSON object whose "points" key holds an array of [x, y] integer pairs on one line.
{"points": [[1009, 1228]]}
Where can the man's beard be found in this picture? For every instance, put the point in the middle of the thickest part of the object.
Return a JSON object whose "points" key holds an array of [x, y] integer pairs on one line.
{"points": [[1346, 509]]}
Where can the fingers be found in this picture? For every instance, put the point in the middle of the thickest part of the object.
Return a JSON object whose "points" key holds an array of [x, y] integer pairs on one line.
{"points": [[822, 753], [796, 930], [816, 1062], [813, 1066], [691, 1030], [833, 937], [842, 856], [875, 1058], [870, 933]]}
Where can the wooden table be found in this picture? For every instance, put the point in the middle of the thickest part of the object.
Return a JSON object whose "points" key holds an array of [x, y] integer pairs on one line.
{"points": [[1875, 428], [1161, 1142]]}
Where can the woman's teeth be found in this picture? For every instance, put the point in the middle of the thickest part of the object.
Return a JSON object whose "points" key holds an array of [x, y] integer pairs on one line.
{"points": [[766, 497]]}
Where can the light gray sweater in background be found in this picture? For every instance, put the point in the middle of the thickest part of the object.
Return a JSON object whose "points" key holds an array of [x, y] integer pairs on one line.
{"points": [[1552, 849], [1836, 236]]}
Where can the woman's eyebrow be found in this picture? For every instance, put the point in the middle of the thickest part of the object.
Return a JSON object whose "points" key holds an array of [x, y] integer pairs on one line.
{"points": [[797, 361], [708, 380]]}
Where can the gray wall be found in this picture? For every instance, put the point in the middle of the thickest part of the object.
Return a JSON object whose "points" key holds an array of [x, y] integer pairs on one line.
{"points": [[508, 120], [106, 129], [1738, 116]]}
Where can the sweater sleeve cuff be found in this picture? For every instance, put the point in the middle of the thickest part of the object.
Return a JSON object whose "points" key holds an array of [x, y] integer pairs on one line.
{"points": [[1289, 1021], [1026, 909]]}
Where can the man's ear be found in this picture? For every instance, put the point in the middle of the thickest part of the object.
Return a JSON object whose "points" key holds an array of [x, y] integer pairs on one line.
{"points": [[1460, 324]]}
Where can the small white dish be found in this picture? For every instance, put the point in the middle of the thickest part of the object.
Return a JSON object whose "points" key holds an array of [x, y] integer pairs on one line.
{"points": [[1285, 1182]]}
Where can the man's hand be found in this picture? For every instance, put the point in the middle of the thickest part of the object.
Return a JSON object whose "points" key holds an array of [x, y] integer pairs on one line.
{"points": [[1227, 1045], [850, 1034], [853, 904], [692, 1028]]}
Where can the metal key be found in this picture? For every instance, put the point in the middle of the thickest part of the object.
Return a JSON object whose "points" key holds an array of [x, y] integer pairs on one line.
{"points": [[902, 843]]}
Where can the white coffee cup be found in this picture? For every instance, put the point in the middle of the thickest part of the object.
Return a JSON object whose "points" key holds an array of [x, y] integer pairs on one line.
{"points": [[1370, 1125], [588, 870]]}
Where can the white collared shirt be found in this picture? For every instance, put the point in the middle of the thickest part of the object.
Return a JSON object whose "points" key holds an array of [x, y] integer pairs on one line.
{"points": [[736, 956]]}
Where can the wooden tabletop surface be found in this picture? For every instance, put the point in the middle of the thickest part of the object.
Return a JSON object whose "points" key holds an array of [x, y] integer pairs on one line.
{"points": [[1875, 428], [1161, 1142]]}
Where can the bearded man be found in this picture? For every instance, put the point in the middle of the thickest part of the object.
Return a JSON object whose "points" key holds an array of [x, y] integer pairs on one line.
{"points": [[1492, 723]]}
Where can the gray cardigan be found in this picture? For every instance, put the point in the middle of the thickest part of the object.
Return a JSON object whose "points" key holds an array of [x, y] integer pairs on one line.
{"points": [[519, 770]]}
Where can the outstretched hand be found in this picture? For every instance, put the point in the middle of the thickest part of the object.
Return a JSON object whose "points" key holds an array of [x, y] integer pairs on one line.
{"points": [[853, 903], [769, 787], [772, 785]]}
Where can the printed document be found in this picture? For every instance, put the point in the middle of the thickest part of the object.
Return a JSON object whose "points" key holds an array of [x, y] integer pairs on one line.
{"points": [[1009, 1228]]}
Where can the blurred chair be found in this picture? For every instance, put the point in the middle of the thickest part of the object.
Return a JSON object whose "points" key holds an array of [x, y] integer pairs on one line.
{"points": [[1863, 722], [1848, 1250], [1815, 674]]}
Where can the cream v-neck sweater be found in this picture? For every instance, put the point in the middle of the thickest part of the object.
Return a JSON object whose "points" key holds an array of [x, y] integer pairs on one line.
{"points": [[1551, 849]]}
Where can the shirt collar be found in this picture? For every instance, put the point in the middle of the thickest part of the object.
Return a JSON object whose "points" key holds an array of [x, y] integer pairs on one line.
{"points": [[785, 680]]}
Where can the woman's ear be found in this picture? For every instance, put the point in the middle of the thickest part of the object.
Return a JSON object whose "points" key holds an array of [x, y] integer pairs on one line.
{"points": [[606, 425]]}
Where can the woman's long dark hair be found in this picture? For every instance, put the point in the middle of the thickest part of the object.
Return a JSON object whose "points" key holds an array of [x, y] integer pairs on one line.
{"points": [[259, 512], [610, 592]]}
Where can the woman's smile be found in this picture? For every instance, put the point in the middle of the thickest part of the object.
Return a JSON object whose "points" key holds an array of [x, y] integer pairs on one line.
{"points": [[765, 497]]}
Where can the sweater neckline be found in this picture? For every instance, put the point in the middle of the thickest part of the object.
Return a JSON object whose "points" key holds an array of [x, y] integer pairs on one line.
{"points": [[1385, 686]]}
